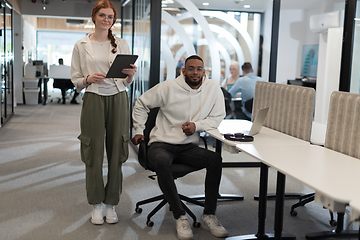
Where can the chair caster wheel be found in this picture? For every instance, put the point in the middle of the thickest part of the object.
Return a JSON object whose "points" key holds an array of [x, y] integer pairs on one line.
{"points": [[138, 210], [333, 223], [150, 223], [293, 213], [196, 224]]}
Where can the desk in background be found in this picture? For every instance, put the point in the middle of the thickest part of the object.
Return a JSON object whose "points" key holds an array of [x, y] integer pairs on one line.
{"points": [[301, 82]]}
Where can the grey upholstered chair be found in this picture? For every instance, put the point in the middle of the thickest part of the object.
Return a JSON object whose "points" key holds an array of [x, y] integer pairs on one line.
{"points": [[342, 135], [291, 110]]}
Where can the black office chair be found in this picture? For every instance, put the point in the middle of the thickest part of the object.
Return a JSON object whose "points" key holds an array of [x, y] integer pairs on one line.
{"points": [[179, 170], [227, 98]]}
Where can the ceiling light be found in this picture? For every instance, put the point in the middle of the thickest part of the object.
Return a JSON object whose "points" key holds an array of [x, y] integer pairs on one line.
{"points": [[246, 6], [206, 4]]}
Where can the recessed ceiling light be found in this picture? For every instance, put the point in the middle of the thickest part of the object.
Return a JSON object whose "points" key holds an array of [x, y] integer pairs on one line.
{"points": [[206, 4], [246, 6]]}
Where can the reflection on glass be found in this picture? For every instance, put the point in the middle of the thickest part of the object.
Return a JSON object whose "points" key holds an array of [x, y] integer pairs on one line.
{"points": [[141, 47], [355, 69], [218, 37], [2, 69]]}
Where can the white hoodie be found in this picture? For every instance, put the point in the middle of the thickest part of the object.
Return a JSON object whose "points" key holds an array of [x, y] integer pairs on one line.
{"points": [[179, 103]]}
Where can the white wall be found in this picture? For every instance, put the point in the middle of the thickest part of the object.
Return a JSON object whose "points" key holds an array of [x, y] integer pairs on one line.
{"points": [[294, 32], [291, 39], [29, 41]]}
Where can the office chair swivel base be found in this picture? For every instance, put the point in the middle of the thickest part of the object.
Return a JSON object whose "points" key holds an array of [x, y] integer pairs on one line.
{"points": [[267, 236], [150, 223], [306, 198], [221, 197], [302, 201]]}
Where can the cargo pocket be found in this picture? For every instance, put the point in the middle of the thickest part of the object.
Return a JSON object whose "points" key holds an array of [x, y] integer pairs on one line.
{"points": [[124, 152], [85, 149]]}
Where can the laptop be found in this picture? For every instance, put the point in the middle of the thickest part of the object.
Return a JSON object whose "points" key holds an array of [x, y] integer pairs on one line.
{"points": [[247, 128], [257, 123]]}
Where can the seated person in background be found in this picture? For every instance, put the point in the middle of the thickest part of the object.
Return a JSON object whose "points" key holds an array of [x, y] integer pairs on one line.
{"points": [[245, 85], [64, 85], [227, 83], [189, 104]]}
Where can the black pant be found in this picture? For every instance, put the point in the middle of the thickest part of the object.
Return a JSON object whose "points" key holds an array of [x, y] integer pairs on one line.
{"points": [[161, 157]]}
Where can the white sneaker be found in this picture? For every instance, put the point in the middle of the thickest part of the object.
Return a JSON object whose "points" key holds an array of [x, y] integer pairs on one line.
{"points": [[111, 216], [183, 228], [212, 224], [96, 215]]}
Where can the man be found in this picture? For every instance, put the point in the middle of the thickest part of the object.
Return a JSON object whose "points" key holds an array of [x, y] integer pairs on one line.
{"points": [[64, 85], [189, 104], [245, 85]]}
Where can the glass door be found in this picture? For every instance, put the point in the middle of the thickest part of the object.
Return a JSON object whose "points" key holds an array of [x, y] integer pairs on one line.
{"points": [[6, 62]]}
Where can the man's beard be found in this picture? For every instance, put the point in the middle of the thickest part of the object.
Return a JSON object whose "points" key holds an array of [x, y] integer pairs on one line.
{"points": [[191, 83]]}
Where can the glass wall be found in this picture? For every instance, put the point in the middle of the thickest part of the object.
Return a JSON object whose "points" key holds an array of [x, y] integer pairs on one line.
{"points": [[53, 45], [355, 70], [218, 37], [6, 62]]}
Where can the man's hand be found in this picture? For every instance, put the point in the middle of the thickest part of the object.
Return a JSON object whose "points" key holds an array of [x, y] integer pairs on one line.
{"points": [[188, 128], [136, 138]]}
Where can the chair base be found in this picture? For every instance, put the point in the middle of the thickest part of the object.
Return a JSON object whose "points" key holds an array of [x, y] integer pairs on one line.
{"points": [[272, 196], [266, 236], [163, 202], [333, 234], [221, 197]]}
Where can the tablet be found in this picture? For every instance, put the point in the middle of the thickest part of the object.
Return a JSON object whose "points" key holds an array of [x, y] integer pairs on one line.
{"points": [[121, 61]]}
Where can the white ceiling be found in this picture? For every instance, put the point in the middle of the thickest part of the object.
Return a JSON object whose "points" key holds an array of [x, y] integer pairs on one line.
{"points": [[255, 5]]}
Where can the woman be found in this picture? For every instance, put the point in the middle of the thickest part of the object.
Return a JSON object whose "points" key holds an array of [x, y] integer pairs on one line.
{"points": [[105, 113], [235, 74]]}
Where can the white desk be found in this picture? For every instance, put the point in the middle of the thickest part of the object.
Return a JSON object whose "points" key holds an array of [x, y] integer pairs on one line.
{"points": [[322, 169]]}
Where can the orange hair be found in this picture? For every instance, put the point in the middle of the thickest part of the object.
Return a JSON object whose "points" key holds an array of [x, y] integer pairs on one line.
{"points": [[106, 4]]}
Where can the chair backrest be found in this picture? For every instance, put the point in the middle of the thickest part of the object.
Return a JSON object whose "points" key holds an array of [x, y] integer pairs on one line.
{"points": [[178, 170], [249, 105], [343, 126], [291, 107], [227, 98], [150, 123]]}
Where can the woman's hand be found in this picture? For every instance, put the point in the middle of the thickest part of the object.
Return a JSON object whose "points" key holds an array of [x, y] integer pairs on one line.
{"points": [[96, 78], [130, 71]]}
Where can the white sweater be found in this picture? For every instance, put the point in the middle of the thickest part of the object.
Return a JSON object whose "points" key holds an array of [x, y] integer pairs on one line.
{"points": [[83, 64], [179, 103]]}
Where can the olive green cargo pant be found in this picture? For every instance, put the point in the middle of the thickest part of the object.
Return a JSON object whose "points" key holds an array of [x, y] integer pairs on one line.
{"points": [[104, 119]]}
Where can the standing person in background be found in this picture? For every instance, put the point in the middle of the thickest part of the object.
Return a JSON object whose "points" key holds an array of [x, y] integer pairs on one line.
{"points": [[246, 86], [227, 83], [105, 110]]}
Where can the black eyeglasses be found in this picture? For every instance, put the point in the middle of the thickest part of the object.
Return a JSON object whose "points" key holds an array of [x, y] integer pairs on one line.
{"points": [[192, 69]]}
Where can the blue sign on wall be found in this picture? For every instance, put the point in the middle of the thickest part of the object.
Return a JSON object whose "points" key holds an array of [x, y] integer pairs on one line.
{"points": [[309, 61]]}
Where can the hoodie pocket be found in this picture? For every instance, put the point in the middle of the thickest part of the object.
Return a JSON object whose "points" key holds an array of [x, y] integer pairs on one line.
{"points": [[85, 149], [124, 148]]}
